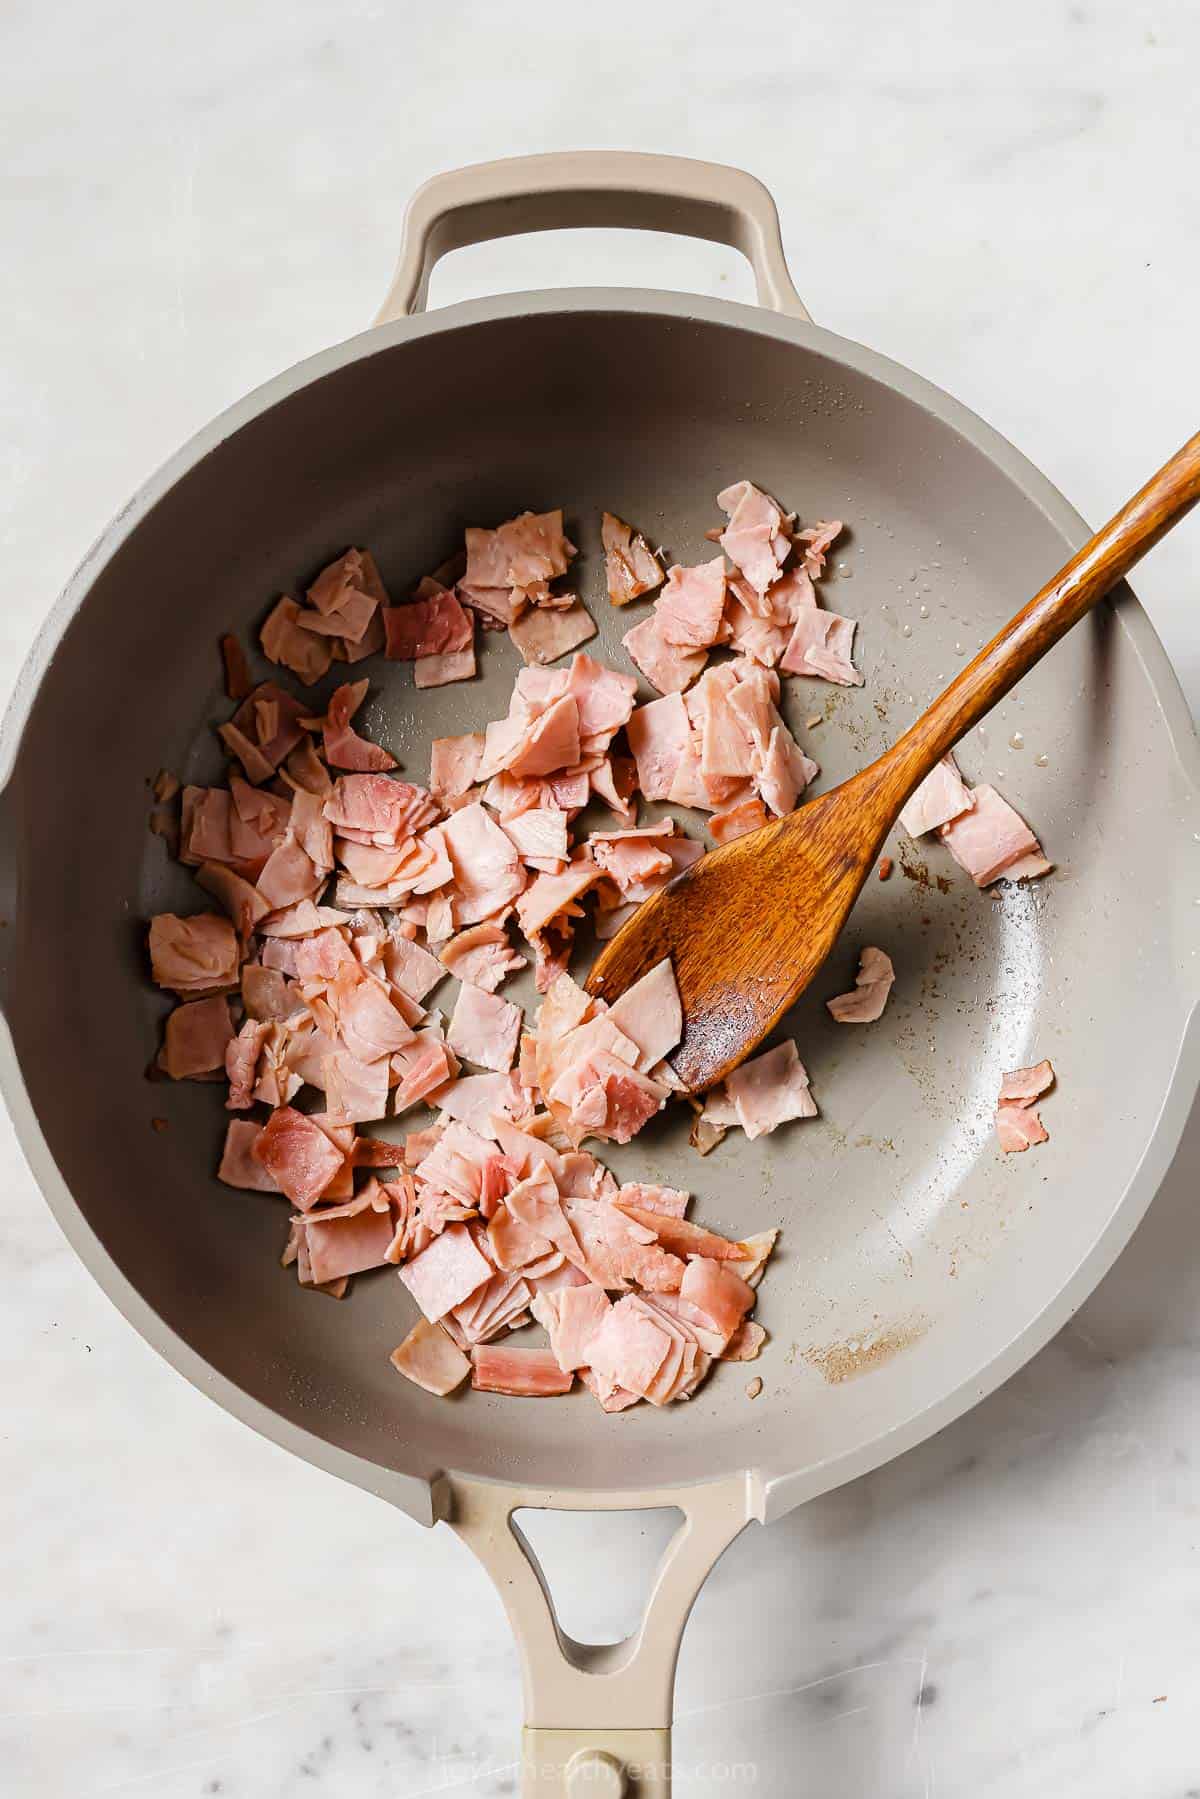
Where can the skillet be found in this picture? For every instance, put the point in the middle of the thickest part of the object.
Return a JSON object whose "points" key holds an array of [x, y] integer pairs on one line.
{"points": [[917, 1268]]}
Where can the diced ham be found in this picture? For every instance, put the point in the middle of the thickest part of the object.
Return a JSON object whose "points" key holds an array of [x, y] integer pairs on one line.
{"points": [[872, 984], [356, 1092], [816, 539], [344, 748], [523, 1373], [770, 1089], [446, 1272], [715, 1290], [671, 1202], [630, 566], [266, 993], [482, 956], [1018, 1126], [297, 1156], [454, 765], [755, 539], [1017, 1122], [427, 627], [240, 1167], [430, 1358], [411, 968], [573, 1316], [351, 575], [441, 670], [193, 955], [690, 607], [629, 1348], [241, 1063], [821, 644], [423, 1067], [195, 1039], [942, 796], [484, 1029], [665, 665], [369, 1024], [680, 1237], [285, 640], [651, 1014], [1023, 1085], [992, 840], [738, 821], [485, 864], [349, 1239], [659, 733], [543, 636]]}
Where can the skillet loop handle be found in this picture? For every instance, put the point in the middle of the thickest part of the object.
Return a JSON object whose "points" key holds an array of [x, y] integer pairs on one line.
{"points": [[608, 188], [597, 1718]]}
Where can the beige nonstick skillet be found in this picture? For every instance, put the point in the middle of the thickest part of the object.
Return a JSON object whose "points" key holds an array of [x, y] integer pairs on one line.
{"points": [[917, 1268]]}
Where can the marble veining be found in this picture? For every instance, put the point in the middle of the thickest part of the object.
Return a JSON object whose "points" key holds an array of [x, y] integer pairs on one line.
{"points": [[192, 198]]}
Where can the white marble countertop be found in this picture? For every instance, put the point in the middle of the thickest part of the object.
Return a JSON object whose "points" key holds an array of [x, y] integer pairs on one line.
{"points": [[193, 197]]}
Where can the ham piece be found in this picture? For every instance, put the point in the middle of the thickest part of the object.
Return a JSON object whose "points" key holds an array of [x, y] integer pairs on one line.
{"points": [[1018, 1125], [869, 996]]}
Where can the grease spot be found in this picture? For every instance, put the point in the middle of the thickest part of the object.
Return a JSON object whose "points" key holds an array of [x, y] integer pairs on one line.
{"points": [[855, 1355]]}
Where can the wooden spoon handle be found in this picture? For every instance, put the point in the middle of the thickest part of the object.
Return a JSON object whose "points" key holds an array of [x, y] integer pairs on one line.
{"points": [[1089, 575]]}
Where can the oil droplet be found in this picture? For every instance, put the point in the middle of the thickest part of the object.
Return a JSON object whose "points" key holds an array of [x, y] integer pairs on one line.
{"points": [[906, 630], [924, 612], [845, 571], [1041, 762], [1016, 741], [983, 736], [958, 649]]}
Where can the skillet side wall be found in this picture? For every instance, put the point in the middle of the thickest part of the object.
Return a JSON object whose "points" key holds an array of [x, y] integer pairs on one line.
{"points": [[901, 1224]]}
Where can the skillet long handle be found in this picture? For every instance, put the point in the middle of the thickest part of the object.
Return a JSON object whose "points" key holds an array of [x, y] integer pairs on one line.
{"points": [[1089, 575], [597, 1719], [614, 188]]}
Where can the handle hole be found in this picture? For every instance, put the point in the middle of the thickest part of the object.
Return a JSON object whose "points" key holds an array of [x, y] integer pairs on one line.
{"points": [[597, 1569], [585, 258]]}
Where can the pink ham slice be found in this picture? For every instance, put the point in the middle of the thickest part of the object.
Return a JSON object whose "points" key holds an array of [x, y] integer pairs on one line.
{"points": [[679, 1237], [659, 734], [344, 748], [482, 956], [521, 1373], [629, 1348], [745, 1343], [1017, 1127], [543, 636], [738, 821], [356, 1092], [431, 1359], [689, 609], [241, 1064], [715, 1290], [670, 1202], [665, 665], [354, 573], [1017, 1122], [630, 567], [815, 540], [755, 539], [454, 765], [942, 796], [427, 627], [872, 985], [368, 1022], [240, 1167], [441, 670], [195, 1039], [411, 968], [284, 640], [770, 1089], [1023, 1085], [486, 866], [446, 1272], [349, 1239], [820, 644], [651, 1014], [193, 955], [572, 1316], [484, 1029], [992, 840], [297, 1156]]}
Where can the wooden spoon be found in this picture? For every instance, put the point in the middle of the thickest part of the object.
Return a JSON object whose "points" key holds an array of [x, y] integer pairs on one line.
{"points": [[750, 924]]}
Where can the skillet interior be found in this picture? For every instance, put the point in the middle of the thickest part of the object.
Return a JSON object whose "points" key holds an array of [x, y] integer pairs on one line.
{"points": [[911, 1250]]}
